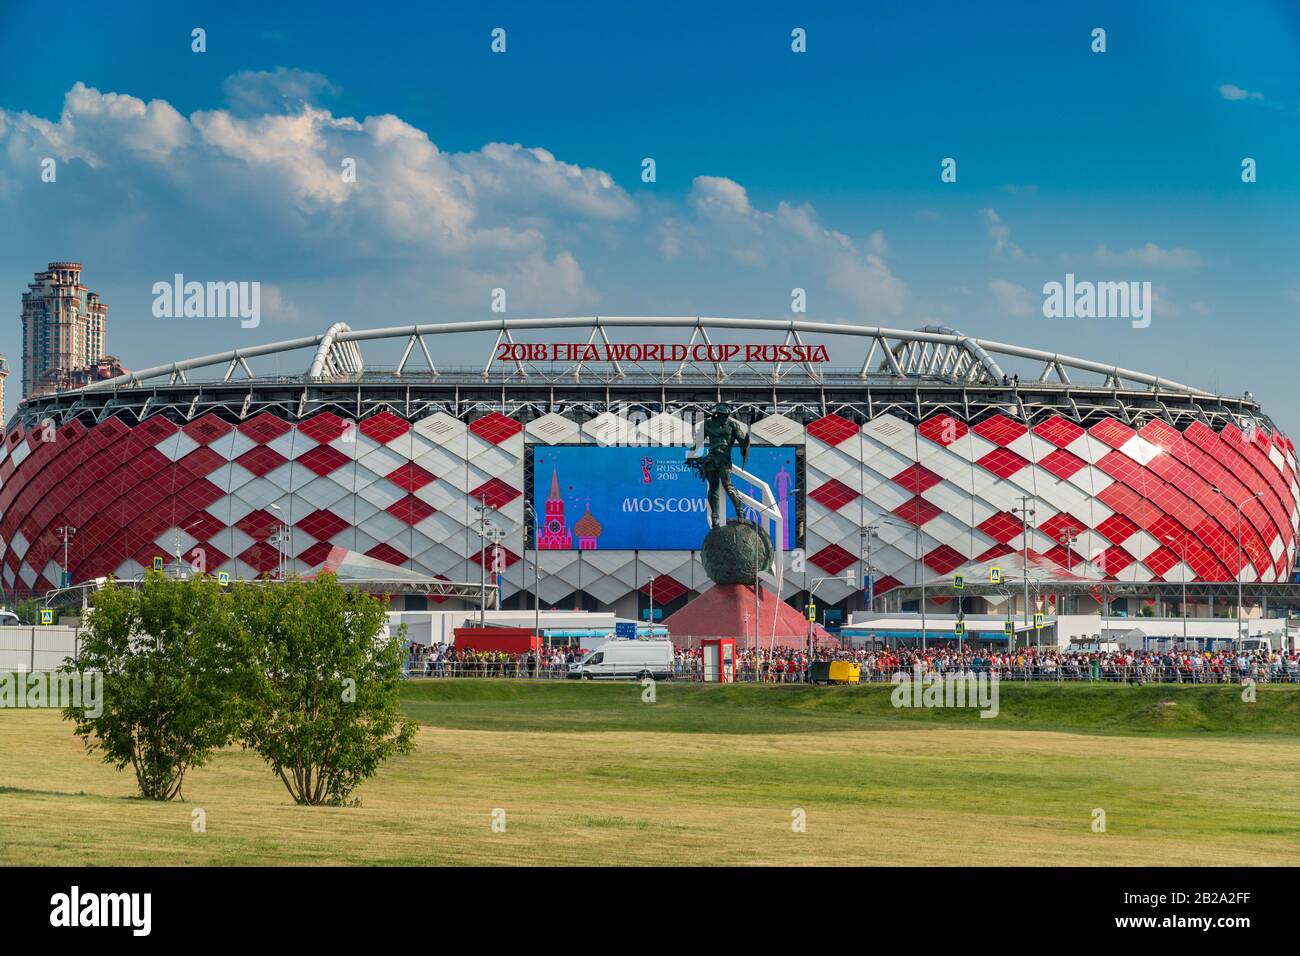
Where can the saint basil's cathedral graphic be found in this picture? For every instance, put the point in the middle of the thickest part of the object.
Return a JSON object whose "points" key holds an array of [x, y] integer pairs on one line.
{"points": [[555, 535]]}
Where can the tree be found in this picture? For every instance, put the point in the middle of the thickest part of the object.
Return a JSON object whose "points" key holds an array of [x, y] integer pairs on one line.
{"points": [[168, 653], [323, 686]]}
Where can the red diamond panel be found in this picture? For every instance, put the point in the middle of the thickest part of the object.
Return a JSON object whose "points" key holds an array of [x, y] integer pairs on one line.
{"points": [[1062, 463], [410, 509], [202, 525], [832, 429], [1002, 462], [1160, 561], [410, 477], [833, 559], [261, 557], [1059, 555], [386, 552], [207, 429], [316, 554], [264, 428], [943, 559], [1059, 524], [943, 429], [384, 427], [833, 495], [258, 525], [887, 583], [495, 428], [1000, 430], [323, 428], [918, 511], [261, 460], [1113, 433], [917, 478], [1001, 527], [1058, 431], [1114, 560], [664, 588], [1117, 528], [153, 430], [323, 459], [496, 492], [323, 524]]}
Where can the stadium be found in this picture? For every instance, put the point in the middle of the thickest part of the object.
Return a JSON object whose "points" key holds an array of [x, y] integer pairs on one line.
{"points": [[898, 458]]}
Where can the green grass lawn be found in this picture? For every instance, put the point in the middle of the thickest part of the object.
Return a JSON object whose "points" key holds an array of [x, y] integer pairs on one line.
{"points": [[587, 773], [547, 705]]}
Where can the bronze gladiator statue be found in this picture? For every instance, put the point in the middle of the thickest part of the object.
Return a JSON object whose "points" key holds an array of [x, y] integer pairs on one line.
{"points": [[721, 434]]}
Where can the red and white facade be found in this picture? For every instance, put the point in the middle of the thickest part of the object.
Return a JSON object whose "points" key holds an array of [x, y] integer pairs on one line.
{"points": [[190, 471]]}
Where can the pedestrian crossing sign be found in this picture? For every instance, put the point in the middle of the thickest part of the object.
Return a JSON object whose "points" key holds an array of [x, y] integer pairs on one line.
{"points": [[47, 615], [959, 628], [1038, 621], [995, 575], [1008, 628], [223, 578], [959, 581], [157, 564]]}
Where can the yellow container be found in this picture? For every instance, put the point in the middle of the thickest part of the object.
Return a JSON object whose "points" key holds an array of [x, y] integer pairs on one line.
{"points": [[844, 672]]}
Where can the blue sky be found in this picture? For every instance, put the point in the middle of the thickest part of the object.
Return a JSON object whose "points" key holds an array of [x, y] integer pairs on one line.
{"points": [[775, 170]]}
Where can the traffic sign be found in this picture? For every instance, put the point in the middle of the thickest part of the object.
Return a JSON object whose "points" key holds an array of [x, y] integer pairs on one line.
{"points": [[995, 575], [47, 615], [1038, 621], [157, 564], [959, 628], [811, 610], [959, 581], [223, 578], [625, 630], [1008, 628]]}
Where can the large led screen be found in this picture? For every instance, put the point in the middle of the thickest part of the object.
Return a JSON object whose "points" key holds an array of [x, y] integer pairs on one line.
{"points": [[601, 498]]}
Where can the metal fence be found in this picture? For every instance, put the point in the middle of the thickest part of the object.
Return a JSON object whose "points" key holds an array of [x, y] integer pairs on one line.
{"points": [[41, 648], [691, 670]]}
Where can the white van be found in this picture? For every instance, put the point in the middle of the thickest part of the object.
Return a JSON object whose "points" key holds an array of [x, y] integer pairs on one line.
{"points": [[625, 659]]}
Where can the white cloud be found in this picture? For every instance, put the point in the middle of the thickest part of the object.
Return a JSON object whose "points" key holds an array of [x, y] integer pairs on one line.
{"points": [[1000, 233], [1230, 91], [791, 237], [271, 167], [1013, 299], [279, 90], [1149, 255]]}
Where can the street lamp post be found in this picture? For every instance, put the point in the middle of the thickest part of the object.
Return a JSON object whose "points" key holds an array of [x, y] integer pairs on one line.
{"points": [[537, 574], [868, 571], [1069, 535], [483, 508], [652, 604], [1238, 506], [66, 531], [1025, 513], [1182, 574]]}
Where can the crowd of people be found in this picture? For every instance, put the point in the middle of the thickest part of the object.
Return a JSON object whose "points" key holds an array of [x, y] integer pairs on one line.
{"points": [[791, 665]]}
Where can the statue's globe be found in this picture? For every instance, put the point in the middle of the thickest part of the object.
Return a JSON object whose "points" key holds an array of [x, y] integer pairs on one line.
{"points": [[735, 553]]}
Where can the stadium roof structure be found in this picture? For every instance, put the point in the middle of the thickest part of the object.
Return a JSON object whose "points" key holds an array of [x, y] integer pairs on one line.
{"points": [[936, 352], [863, 372]]}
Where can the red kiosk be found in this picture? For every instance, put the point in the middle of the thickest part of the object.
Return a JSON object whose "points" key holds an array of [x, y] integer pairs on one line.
{"points": [[719, 659]]}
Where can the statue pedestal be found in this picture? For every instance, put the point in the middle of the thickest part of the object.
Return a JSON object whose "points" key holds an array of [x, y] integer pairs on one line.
{"points": [[727, 610]]}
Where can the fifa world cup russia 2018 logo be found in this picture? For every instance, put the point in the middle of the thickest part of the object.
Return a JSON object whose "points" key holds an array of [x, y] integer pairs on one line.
{"points": [[646, 465]]}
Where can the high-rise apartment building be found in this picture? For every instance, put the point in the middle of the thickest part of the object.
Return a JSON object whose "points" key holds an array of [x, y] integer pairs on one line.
{"points": [[63, 328]]}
